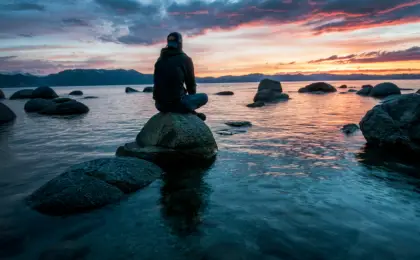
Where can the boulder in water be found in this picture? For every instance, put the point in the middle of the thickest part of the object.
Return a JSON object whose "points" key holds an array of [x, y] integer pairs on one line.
{"points": [[395, 124], [37, 104], [343, 86], [238, 123], [270, 91], [2, 96], [61, 100], [92, 184], [384, 90], [148, 90], [71, 107], [131, 90], [6, 114], [173, 140], [365, 91], [225, 93], [22, 94], [76, 93], [44, 92], [318, 88], [349, 128], [256, 104]]}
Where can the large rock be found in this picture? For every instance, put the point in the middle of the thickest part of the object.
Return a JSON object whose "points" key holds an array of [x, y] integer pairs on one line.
{"points": [[6, 114], [318, 87], [365, 91], [148, 89], [2, 96], [22, 94], [171, 139], [71, 107], [270, 91], [395, 123], [62, 100], [44, 92], [131, 90], [93, 184], [76, 93], [37, 104], [385, 89]]}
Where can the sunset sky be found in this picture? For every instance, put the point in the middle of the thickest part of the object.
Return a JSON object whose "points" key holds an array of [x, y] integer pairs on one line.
{"points": [[223, 37]]}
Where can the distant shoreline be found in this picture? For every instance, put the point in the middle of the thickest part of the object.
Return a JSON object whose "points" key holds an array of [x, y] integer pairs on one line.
{"points": [[79, 77]]}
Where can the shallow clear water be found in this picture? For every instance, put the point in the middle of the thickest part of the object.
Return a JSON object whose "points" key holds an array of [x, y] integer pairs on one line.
{"points": [[291, 187]]}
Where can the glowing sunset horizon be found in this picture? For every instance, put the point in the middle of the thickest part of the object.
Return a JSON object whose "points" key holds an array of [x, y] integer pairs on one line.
{"points": [[223, 37]]}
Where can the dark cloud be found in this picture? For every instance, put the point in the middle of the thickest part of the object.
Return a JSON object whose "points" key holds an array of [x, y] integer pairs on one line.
{"points": [[411, 54], [149, 22], [24, 7]]}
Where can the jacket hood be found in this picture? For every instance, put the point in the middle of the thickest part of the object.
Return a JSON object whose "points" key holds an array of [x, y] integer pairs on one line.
{"points": [[169, 52]]}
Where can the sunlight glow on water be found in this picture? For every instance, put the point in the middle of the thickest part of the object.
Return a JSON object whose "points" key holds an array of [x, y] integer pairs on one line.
{"points": [[291, 187]]}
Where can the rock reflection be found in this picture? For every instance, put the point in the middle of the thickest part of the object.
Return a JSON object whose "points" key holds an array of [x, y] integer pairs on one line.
{"points": [[184, 198]]}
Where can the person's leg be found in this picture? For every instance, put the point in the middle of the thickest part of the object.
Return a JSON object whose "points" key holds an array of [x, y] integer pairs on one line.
{"points": [[193, 102]]}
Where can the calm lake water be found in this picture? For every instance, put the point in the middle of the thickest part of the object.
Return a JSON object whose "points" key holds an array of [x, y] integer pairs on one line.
{"points": [[292, 187]]}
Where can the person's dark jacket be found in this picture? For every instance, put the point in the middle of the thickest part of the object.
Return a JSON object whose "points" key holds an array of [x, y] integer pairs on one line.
{"points": [[172, 70]]}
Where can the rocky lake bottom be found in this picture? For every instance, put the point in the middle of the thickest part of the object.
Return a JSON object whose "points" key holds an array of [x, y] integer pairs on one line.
{"points": [[291, 186]]}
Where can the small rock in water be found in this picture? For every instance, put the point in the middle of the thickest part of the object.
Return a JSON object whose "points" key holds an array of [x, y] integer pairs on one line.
{"points": [[352, 90], [6, 114], [343, 86], [238, 123], [66, 251], [22, 94], [37, 104], [231, 131], [318, 88], [148, 89], [350, 128], [365, 91], [225, 93], [44, 92], [406, 89], [90, 97], [76, 93], [2, 96], [256, 104], [131, 90]]}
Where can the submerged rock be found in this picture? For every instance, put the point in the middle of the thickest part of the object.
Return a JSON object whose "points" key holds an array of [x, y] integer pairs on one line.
{"points": [[365, 91], [238, 123], [343, 86], [225, 93], [93, 184], [76, 93], [256, 104], [131, 90], [384, 90], [270, 91], [71, 107], [349, 128], [148, 89], [37, 104], [352, 90], [6, 114], [394, 124], [230, 131], [171, 139], [318, 87], [2, 96], [22, 94], [90, 97], [406, 89], [44, 92]]}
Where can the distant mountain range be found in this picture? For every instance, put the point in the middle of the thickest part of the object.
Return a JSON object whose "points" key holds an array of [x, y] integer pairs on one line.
{"points": [[90, 77]]}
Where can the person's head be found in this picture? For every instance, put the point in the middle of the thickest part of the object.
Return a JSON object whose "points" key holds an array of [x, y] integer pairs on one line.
{"points": [[174, 40]]}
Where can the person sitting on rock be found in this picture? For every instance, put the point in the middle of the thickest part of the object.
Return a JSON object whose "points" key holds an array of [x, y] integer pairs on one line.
{"points": [[172, 70]]}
